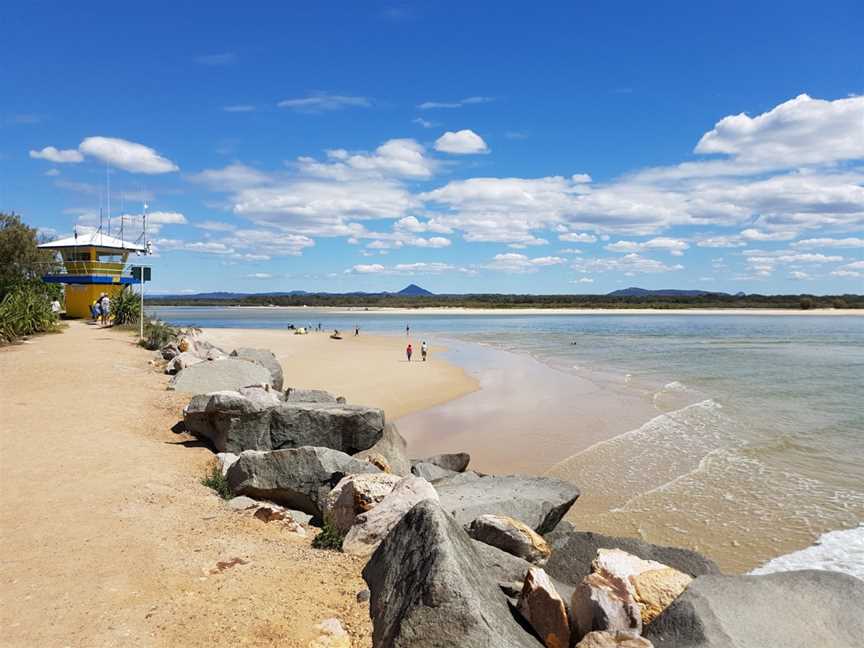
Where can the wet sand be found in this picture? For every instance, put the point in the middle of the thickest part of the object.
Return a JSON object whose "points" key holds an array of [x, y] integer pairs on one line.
{"points": [[525, 418]]}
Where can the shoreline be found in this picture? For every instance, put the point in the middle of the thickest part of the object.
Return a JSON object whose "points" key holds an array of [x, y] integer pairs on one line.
{"points": [[370, 368], [516, 413], [443, 310], [498, 424]]}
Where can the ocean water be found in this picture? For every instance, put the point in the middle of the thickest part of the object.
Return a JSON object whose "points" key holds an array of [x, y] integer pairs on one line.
{"points": [[755, 444]]}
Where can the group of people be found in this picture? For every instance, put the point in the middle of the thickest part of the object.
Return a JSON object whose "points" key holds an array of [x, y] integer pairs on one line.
{"points": [[424, 349], [101, 309]]}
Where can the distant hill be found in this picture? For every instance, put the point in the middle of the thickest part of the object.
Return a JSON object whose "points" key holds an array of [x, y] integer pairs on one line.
{"points": [[413, 290], [665, 292]]}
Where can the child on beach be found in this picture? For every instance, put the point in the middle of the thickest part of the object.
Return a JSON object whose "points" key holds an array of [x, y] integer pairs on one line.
{"points": [[409, 351], [423, 350]]}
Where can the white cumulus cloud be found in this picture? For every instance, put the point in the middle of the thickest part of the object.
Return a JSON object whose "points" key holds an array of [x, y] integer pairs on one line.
{"points": [[675, 247], [67, 156], [520, 263], [461, 142], [126, 155]]}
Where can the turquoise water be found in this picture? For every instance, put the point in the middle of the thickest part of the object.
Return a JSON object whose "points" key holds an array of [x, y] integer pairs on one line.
{"points": [[757, 443]]}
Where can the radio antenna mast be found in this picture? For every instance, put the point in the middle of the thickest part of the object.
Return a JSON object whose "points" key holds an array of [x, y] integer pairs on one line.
{"points": [[108, 184]]}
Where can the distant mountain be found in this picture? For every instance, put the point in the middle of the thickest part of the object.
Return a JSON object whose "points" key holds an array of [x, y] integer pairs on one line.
{"points": [[413, 290], [666, 292], [228, 295]]}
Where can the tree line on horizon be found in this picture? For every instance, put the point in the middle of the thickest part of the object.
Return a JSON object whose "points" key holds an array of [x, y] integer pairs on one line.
{"points": [[514, 301]]}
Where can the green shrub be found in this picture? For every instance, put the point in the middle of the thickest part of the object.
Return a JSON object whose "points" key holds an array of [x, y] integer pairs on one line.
{"points": [[157, 334], [328, 538], [126, 307], [25, 311], [216, 480]]}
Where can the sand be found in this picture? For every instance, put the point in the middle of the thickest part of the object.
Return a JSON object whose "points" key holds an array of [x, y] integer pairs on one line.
{"points": [[526, 417], [108, 538], [367, 369]]}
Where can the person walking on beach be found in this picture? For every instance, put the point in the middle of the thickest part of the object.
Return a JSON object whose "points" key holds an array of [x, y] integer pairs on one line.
{"points": [[423, 350], [105, 308], [409, 351]]}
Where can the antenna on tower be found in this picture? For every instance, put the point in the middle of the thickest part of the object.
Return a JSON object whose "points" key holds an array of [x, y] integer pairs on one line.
{"points": [[144, 224], [108, 184]]}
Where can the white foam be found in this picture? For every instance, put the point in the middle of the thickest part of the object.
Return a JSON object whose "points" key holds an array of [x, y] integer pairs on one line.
{"points": [[676, 387], [841, 551]]}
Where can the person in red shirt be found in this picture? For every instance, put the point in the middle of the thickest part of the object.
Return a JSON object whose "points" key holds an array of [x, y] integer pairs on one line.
{"points": [[409, 351]]}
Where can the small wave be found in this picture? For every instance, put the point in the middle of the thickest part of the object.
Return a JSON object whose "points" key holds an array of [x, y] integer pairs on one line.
{"points": [[676, 387], [841, 551]]}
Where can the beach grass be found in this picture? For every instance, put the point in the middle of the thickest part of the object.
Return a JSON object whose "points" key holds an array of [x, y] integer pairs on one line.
{"points": [[215, 480]]}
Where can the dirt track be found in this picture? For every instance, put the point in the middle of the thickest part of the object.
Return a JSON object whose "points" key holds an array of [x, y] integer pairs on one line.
{"points": [[107, 536]]}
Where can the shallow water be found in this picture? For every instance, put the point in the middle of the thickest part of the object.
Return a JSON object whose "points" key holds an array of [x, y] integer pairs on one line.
{"points": [[744, 434]]}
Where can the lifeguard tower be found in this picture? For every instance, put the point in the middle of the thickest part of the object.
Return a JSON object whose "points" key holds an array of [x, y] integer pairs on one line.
{"points": [[93, 263]]}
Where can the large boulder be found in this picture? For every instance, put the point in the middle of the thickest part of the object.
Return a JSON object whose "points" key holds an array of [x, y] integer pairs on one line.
{"points": [[539, 502], [509, 572], [181, 361], [295, 395], [225, 460], [430, 472], [603, 602], [204, 414], [299, 478], [456, 462], [392, 447], [574, 551], [652, 585], [544, 609], [797, 609], [265, 358], [356, 494], [510, 535], [428, 589], [235, 423], [372, 527], [219, 375]]}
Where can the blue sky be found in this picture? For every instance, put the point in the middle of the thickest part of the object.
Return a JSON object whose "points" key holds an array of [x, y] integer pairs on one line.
{"points": [[496, 147]]}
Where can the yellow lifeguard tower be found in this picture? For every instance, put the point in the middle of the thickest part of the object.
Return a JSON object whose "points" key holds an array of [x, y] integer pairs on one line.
{"points": [[93, 264]]}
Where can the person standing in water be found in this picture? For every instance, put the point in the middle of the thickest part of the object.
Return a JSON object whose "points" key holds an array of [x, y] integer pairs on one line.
{"points": [[356, 330], [423, 350], [407, 330], [409, 351]]}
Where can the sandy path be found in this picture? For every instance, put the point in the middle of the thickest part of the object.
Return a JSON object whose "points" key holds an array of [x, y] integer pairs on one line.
{"points": [[106, 536]]}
